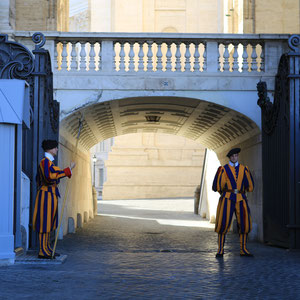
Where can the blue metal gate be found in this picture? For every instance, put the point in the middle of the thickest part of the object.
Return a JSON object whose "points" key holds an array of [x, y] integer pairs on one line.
{"points": [[281, 152]]}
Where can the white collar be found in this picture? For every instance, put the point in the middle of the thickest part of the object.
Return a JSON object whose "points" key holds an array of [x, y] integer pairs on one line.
{"points": [[233, 164], [49, 156]]}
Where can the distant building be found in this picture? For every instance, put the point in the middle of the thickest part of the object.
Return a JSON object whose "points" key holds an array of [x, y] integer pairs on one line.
{"points": [[99, 154]]}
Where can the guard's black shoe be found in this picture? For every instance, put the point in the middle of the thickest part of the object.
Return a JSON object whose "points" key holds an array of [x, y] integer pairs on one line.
{"points": [[45, 256], [219, 255], [56, 254], [246, 255]]}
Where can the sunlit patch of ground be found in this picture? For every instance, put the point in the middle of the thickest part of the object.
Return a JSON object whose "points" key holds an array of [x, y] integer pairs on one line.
{"points": [[172, 212]]}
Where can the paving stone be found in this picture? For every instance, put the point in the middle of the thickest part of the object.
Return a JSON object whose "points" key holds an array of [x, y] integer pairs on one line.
{"points": [[127, 258]]}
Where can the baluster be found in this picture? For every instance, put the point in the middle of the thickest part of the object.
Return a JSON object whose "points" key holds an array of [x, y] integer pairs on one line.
{"points": [[168, 56], [262, 58], [64, 54], [56, 62], [204, 66], [219, 58], [82, 64], [73, 57], [92, 55], [245, 58], [178, 56], [100, 58], [196, 56], [131, 57], [253, 58], [150, 56], [187, 57], [141, 57], [122, 57], [235, 66], [159, 65], [114, 57], [226, 59]]}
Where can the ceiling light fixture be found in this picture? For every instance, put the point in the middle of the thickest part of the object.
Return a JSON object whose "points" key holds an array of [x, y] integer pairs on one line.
{"points": [[152, 118]]}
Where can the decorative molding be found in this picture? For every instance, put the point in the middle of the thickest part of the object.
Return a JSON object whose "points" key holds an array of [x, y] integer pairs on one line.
{"points": [[270, 110], [39, 39], [16, 61], [294, 42]]}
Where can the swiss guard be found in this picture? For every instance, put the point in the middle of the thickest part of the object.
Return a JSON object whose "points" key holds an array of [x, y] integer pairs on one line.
{"points": [[46, 203], [232, 181]]}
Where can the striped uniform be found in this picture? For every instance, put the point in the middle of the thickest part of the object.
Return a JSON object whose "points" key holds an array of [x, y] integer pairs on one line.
{"points": [[227, 179], [45, 210]]}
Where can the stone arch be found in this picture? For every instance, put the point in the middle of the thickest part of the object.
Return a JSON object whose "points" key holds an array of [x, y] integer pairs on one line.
{"points": [[215, 126]]}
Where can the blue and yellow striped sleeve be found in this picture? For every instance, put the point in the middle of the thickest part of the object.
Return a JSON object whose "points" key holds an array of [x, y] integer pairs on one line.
{"points": [[249, 182], [53, 172], [219, 180]]}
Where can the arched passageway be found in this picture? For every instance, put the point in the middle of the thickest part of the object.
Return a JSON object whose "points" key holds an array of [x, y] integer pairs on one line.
{"points": [[210, 124], [214, 126]]}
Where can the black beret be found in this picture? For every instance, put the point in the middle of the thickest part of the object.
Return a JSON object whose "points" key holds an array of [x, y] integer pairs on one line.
{"points": [[233, 151], [49, 144]]}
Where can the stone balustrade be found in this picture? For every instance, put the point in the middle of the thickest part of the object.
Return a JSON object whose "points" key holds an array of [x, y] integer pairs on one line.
{"points": [[137, 53], [159, 55]]}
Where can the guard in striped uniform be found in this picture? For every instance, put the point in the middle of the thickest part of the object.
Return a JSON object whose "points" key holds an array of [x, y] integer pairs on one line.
{"points": [[45, 211], [232, 181]]}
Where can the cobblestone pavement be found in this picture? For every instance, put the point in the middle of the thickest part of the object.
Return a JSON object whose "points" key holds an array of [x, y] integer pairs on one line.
{"points": [[134, 252]]}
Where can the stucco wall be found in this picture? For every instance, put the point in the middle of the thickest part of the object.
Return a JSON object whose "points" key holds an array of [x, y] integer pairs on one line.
{"points": [[79, 199]]}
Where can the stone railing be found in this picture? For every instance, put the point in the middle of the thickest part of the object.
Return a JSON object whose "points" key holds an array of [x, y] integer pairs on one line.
{"points": [[137, 53]]}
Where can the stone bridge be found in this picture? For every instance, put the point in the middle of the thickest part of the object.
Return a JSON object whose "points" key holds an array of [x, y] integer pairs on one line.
{"points": [[202, 87]]}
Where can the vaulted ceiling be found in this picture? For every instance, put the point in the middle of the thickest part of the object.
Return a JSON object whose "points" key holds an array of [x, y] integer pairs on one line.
{"points": [[210, 124]]}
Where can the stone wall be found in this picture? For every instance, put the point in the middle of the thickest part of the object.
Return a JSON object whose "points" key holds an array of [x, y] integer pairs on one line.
{"points": [[61, 15], [260, 16], [12, 13], [79, 204], [151, 165], [80, 16], [42, 15], [157, 16], [277, 16], [205, 16]]}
